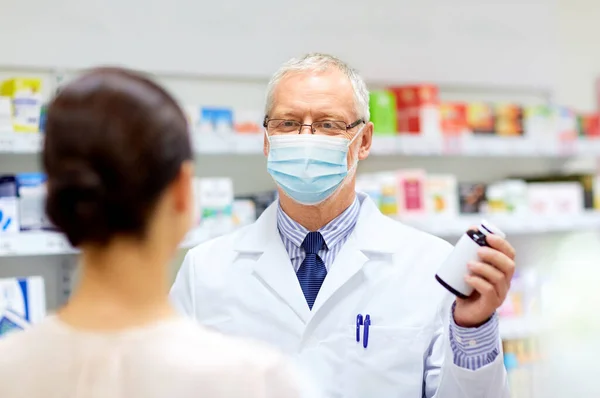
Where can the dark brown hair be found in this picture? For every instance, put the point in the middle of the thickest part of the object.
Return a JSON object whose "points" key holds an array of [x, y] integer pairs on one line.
{"points": [[114, 141]]}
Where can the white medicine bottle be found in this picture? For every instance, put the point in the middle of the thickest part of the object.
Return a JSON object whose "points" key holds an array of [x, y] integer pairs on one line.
{"points": [[452, 273]]}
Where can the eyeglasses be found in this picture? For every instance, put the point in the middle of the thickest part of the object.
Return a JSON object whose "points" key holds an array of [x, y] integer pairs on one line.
{"points": [[324, 127]]}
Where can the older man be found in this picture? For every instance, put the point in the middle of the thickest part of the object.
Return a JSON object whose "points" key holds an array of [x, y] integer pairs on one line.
{"points": [[324, 276]]}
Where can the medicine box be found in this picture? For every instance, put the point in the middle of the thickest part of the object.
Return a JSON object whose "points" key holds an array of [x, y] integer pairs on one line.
{"points": [[247, 121], [509, 120], [216, 120], [215, 198], [388, 201], [411, 192], [31, 189], [481, 118], [589, 125], [382, 106], [472, 197], [22, 303], [418, 109], [453, 118], [25, 94], [9, 205], [440, 194]]}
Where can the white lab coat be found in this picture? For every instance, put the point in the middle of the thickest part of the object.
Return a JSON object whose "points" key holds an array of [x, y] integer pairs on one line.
{"points": [[244, 284]]}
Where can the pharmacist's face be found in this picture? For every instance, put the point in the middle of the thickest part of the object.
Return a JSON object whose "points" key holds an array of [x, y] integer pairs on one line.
{"points": [[311, 96]]}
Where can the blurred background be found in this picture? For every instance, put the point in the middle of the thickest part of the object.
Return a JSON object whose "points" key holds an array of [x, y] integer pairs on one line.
{"points": [[482, 109]]}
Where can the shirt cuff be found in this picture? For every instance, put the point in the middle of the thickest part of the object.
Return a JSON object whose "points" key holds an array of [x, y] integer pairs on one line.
{"points": [[474, 348]]}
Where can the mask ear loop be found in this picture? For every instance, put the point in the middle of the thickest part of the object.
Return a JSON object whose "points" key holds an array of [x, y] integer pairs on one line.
{"points": [[359, 132]]}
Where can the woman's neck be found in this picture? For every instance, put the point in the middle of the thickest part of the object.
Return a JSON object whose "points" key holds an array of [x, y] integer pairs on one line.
{"points": [[122, 285]]}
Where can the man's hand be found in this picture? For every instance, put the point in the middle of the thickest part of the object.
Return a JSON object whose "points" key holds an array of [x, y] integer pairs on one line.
{"points": [[490, 277]]}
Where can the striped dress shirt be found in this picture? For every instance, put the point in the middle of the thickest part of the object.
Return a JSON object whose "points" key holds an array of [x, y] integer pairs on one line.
{"points": [[473, 348]]}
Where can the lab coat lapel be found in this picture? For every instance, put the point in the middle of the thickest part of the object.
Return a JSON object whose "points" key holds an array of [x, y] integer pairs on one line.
{"points": [[361, 244], [273, 266]]}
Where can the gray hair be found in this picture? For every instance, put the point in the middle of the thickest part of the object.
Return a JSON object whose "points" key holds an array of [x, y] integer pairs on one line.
{"points": [[320, 62]]}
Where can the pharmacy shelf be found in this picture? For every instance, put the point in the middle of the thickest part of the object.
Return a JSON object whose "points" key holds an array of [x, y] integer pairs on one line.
{"points": [[49, 243], [53, 243], [406, 145], [20, 143], [526, 224], [521, 327]]}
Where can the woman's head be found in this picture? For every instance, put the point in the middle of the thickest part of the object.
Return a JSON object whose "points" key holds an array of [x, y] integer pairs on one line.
{"points": [[119, 160]]}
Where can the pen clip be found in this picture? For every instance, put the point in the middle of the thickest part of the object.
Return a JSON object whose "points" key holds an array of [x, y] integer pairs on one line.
{"points": [[359, 322], [367, 323]]}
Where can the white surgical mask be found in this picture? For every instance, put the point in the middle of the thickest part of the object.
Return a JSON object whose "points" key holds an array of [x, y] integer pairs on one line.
{"points": [[309, 168]]}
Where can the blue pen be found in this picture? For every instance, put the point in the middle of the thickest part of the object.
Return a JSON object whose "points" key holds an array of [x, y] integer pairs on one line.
{"points": [[366, 335], [359, 321]]}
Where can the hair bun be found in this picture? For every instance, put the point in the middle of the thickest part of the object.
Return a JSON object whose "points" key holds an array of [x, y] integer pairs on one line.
{"points": [[81, 193]]}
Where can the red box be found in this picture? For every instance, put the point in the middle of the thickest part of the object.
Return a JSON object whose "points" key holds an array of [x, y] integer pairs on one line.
{"points": [[418, 108], [453, 118], [589, 125]]}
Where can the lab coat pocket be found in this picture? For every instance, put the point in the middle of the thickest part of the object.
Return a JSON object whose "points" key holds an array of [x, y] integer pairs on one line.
{"points": [[390, 366]]}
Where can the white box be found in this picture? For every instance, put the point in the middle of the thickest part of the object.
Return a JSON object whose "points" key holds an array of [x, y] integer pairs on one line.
{"points": [[22, 303]]}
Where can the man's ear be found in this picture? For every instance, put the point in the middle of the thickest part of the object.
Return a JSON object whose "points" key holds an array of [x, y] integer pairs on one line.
{"points": [[366, 141]]}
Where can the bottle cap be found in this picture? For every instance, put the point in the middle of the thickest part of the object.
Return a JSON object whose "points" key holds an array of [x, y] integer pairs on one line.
{"points": [[488, 228]]}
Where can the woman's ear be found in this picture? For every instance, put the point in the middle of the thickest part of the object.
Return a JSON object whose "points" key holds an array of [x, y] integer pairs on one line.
{"points": [[183, 189]]}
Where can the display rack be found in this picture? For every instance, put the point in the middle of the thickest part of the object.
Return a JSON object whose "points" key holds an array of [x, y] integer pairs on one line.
{"points": [[31, 143], [53, 243]]}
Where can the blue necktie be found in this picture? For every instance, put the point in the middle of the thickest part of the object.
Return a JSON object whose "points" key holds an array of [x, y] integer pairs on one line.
{"points": [[312, 271]]}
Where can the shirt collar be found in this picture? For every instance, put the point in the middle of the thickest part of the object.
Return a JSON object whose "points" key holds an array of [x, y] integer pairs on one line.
{"points": [[335, 231]]}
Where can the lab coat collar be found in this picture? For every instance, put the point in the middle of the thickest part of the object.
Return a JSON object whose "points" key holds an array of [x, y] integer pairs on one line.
{"points": [[256, 237], [275, 269]]}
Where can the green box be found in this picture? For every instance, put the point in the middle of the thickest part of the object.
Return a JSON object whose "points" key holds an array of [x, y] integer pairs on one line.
{"points": [[382, 105]]}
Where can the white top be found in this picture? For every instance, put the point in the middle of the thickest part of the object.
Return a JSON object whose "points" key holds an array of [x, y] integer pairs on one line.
{"points": [[174, 359]]}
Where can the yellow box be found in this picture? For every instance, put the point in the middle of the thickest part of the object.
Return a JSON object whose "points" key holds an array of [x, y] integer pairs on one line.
{"points": [[26, 98]]}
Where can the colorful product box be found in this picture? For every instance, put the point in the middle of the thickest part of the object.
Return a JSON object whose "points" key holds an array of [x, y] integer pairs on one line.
{"points": [[25, 94], [509, 120], [540, 122], [369, 185], [388, 202], [382, 106], [567, 129], [215, 199], [589, 125], [472, 197], [587, 182], [411, 192], [248, 121], [418, 110], [508, 196], [453, 118], [9, 205], [481, 118], [440, 195], [556, 198], [22, 303], [216, 120], [31, 189]]}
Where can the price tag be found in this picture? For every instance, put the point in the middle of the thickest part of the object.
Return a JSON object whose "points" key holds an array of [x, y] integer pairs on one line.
{"points": [[213, 143], [452, 145], [384, 145], [7, 143], [7, 245], [248, 143]]}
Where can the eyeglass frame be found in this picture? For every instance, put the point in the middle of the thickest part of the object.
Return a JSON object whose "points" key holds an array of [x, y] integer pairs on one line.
{"points": [[348, 126]]}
